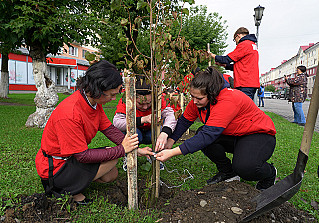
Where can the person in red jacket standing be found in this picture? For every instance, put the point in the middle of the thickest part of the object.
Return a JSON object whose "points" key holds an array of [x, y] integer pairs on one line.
{"points": [[243, 61]]}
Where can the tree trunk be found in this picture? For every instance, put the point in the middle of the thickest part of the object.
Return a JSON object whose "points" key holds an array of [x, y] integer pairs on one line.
{"points": [[158, 130], [46, 96], [4, 83]]}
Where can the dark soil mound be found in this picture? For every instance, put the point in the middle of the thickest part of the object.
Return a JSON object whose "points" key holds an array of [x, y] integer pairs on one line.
{"points": [[224, 202]]}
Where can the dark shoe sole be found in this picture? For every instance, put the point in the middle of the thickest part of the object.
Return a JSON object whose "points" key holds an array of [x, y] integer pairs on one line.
{"points": [[84, 202], [227, 180], [233, 179]]}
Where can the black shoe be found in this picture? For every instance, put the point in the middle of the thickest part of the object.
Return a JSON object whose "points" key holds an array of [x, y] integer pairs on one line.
{"points": [[84, 202], [295, 122], [219, 177], [302, 124], [268, 182]]}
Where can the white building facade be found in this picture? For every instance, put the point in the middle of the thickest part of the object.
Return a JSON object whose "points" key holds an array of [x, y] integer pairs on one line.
{"points": [[306, 56]]}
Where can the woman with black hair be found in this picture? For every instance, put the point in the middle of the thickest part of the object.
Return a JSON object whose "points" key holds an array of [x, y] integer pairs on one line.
{"points": [[232, 124], [64, 162]]}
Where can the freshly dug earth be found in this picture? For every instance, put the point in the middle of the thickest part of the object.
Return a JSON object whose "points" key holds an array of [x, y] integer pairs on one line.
{"points": [[223, 202], [226, 202]]}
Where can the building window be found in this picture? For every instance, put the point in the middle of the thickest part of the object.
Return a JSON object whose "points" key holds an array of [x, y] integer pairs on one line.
{"points": [[73, 51], [83, 53], [60, 51]]}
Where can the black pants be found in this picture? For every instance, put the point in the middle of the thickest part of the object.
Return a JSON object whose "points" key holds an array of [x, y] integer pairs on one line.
{"points": [[72, 178], [249, 91], [250, 154]]}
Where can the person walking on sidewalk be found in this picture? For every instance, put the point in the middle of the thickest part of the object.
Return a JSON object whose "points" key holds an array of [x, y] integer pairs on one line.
{"points": [[261, 94], [232, 124], [298, 94], [243, 61]]}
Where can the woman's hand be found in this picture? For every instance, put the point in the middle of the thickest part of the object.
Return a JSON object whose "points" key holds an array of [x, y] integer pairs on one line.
{"points": [[220, 64], [169, 144], [130, 143], [146, 119], [167, 154], [146, 151], [212, 55], [161, 141]]}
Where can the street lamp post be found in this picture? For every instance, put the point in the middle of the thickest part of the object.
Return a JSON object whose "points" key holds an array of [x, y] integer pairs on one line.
{"points": [[258, 15]]}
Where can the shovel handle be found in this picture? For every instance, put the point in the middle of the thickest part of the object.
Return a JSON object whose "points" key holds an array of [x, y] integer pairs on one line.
{"points": [[311, 117]]}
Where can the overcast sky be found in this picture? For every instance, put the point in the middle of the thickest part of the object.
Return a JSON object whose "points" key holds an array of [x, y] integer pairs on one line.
{"points": [[286, 25]]}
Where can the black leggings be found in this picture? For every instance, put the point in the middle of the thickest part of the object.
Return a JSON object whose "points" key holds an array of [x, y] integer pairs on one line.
{"points": [[250, 154]]}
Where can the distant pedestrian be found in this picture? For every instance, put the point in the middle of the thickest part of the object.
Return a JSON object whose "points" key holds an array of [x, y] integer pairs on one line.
{"points": [[243, 61], [298, 94], [261, 95], [229, 79]]}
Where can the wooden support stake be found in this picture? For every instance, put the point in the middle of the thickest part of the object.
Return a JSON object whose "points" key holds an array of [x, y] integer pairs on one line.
{"points": [[131, 129], [208, 50]]}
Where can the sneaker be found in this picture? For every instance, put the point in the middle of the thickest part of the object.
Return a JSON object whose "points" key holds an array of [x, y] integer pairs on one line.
{"points": [[302, 124], [268, 182], [162, 167], [219, 177]]}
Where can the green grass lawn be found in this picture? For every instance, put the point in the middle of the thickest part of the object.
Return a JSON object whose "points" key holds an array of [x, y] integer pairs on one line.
{"points": [[19, 145]]}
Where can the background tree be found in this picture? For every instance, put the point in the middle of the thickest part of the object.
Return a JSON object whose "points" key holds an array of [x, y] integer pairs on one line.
{"points": [[8, 43], [45, 25], [270, 88], [116, 36], [200, 28]]}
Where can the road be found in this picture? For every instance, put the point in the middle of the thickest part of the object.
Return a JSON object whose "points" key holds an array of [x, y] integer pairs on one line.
{"points": [[284, 109]]}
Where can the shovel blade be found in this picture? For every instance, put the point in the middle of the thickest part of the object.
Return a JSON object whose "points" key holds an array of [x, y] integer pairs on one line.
{"points": [[276, 195]]}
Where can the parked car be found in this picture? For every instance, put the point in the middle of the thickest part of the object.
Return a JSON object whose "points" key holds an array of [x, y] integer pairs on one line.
{"points": [[276, 95], [284, 94], [268, 94]]}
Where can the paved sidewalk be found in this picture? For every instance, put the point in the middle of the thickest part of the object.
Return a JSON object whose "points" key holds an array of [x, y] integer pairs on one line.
{"points": [[284, 109]]}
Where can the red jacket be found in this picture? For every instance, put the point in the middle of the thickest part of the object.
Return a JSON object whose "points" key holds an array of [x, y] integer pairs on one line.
{"points": [[246, 68]]}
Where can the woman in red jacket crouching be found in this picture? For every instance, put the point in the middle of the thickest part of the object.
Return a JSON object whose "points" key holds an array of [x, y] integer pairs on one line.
{"points": [[64, 162], [232, 124]]}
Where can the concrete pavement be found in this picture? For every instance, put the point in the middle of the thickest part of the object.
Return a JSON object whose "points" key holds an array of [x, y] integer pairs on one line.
{"points": [[284, 109]]}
